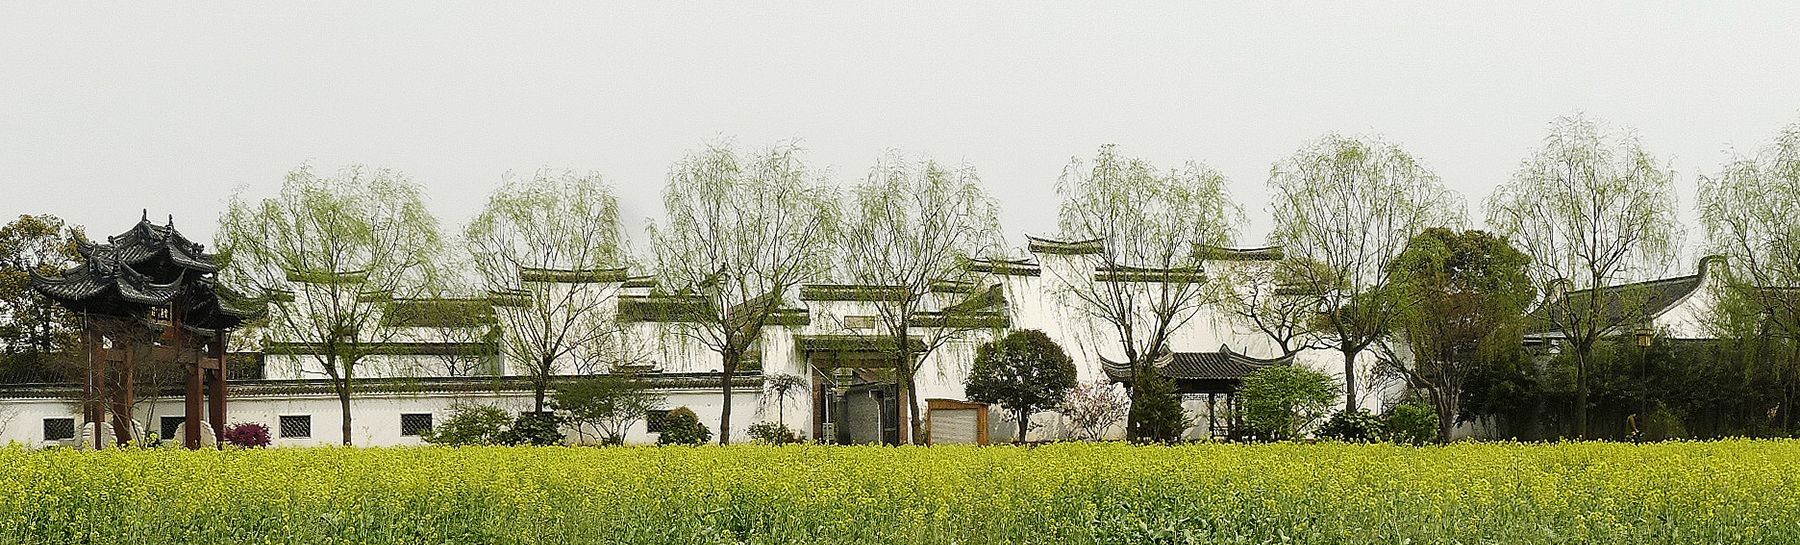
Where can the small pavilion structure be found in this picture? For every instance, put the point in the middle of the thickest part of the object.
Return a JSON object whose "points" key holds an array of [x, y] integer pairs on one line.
{"points": [[149, 295], [1215, 375]]}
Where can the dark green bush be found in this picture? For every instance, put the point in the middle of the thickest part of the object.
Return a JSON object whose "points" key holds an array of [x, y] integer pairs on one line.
{"points": [[1355, 427], [534, 429], [682, 427], [1412, 423], [470, 425]]}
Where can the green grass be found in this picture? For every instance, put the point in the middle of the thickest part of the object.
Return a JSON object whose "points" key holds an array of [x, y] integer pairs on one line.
{"points": [[1724, 492]]}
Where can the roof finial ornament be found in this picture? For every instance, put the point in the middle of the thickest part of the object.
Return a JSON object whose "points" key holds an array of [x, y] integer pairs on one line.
{"points": [[171, 220], [146, 218]]}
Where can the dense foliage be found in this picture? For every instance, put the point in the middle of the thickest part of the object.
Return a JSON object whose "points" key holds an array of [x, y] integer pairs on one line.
{"points": [[1025, 372], [607, 406], [772, 433], [682, 427], [1156, 414], [1469, 292], [1573, 493], [470, 425], [1280, 402]]}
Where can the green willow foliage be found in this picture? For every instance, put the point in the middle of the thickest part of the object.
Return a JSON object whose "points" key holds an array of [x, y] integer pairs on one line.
{"points": [[741, 231], [1593, 209], [1344, 208]]}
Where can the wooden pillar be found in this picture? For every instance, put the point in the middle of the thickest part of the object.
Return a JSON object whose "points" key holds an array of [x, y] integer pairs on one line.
{"points": [[215, 395]]}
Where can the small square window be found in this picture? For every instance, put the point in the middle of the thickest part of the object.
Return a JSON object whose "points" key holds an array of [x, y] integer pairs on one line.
{"points": [[653, 420], [59, 429], [296, 426], [169, 426], [414, 424]]}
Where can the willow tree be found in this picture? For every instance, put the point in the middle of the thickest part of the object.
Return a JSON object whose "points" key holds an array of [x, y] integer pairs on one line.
{"points": [[330, 252], [1138, 228], [910, 226], [1592, 209], [1344, 207], [551, 251], [1751, 211], [741, 231]]}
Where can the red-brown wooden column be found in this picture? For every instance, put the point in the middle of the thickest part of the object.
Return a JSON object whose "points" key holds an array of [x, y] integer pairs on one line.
{"points": [[215, 395]]}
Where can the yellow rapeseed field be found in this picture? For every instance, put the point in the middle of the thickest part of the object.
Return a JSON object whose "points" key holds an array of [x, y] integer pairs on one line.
{"points": [[1720, 492]]}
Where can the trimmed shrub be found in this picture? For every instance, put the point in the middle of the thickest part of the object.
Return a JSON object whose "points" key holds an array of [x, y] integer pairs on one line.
{"points": [[772, 433], [682, 427], [1280, 402]]}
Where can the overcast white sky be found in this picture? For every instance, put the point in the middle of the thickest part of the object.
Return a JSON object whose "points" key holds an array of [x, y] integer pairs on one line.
{"points": [[105, 110]]}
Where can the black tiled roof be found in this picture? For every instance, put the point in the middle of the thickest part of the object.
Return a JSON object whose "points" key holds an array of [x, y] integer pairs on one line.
{"points": [[1626, 304], [148, 266], [1223, 364]]}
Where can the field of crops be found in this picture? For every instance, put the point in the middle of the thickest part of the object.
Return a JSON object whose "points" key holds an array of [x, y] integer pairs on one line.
{"points": [[1726, 492]]}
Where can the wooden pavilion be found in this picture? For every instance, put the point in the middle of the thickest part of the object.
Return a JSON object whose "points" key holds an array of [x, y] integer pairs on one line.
{"points": [[149, 295], [1215, 375]]}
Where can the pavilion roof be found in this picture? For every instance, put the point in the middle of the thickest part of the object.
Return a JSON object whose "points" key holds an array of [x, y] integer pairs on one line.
{"points": [[149, 266], [1223, 364]]}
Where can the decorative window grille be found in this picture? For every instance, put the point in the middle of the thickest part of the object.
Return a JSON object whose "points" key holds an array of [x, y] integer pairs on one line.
{"points": [[653, 420], [169, 423], [296, 426], [415, 424], [59, 429]]}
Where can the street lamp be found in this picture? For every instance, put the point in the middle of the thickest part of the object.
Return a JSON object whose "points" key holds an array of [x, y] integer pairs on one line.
{"points": [[1644, 335]]}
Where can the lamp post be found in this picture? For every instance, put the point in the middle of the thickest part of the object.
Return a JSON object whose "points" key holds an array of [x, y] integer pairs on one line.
{"points": [[1644, 335]]}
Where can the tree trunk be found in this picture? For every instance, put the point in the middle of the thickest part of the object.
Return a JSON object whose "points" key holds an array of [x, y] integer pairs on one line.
{"points": [[541, 383], [1581, 393], [1446, 409], [728, 370], [904, 368], [344, 408], [1024, 423], [919, 435], [1350, 380]]}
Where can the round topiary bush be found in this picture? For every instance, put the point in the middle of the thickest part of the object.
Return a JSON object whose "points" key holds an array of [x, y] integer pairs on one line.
{"points": [[682, 427]]}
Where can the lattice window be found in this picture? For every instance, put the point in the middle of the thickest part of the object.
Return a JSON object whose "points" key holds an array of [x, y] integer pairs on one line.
{"points": [[413, 424], [59, 429], [169, 424], [296, 426]]}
